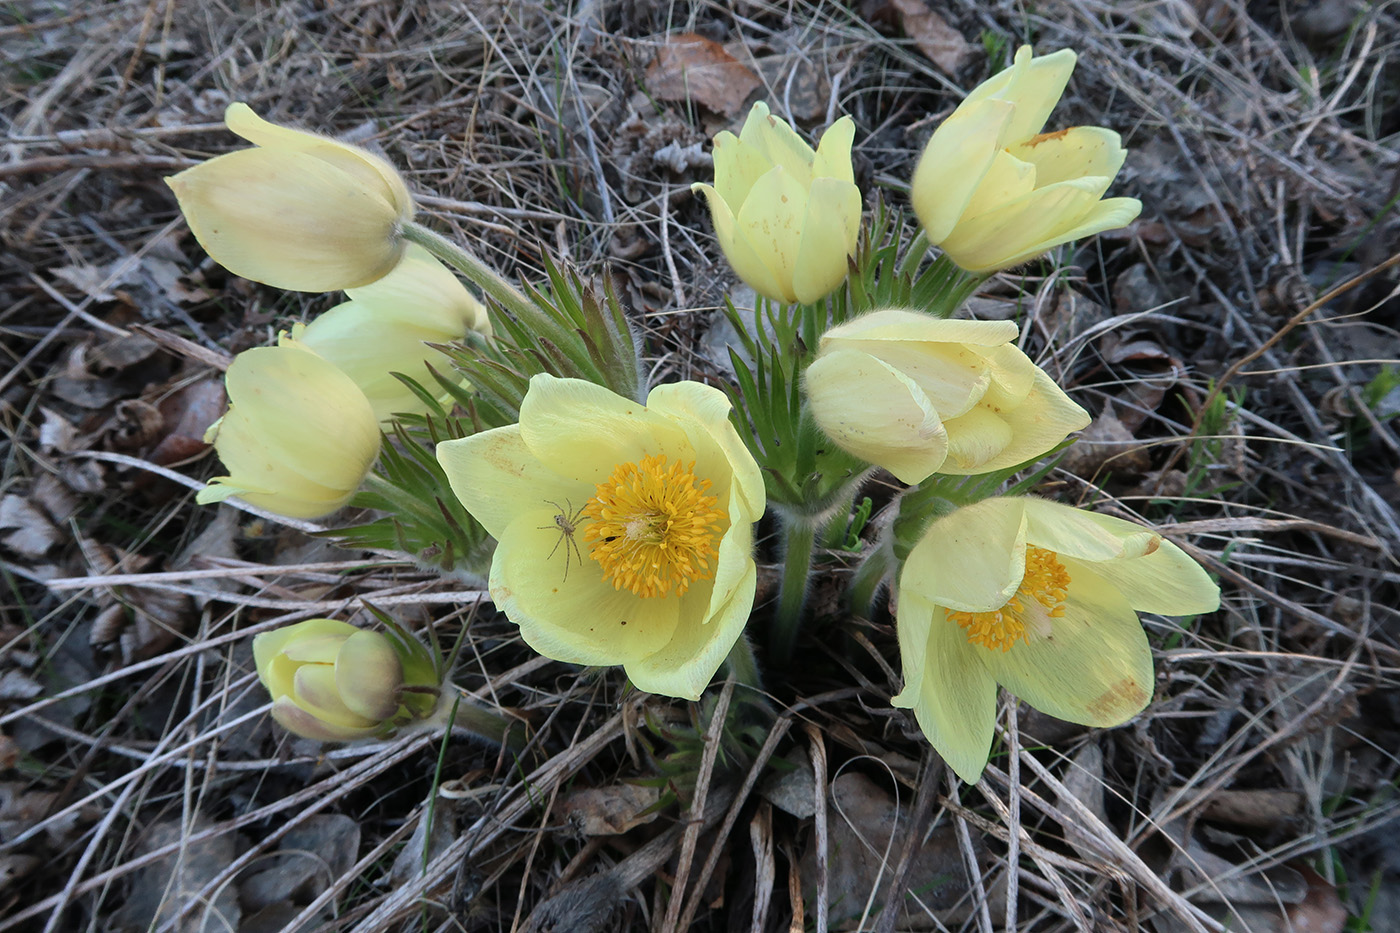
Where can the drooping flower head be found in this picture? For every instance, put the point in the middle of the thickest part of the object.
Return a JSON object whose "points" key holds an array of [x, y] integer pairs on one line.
{"points": [[786, 217], [625, 530], [334, 682], [385, 326], [297, 211], [1043, 599], [919, 395], [299, 436], [993, 191]]}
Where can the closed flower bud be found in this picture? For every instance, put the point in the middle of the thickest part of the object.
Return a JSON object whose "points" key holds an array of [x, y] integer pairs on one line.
{"points": [[1043, 599], [299, 435], [334, 682], [385, 326], [785, 216], [993, 191], [919, 395], [298, 211]]}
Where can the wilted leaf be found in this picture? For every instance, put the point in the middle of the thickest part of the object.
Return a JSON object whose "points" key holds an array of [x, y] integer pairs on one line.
{"points": [[691, 67], [932, 35], [610, 811], [26, 530]]}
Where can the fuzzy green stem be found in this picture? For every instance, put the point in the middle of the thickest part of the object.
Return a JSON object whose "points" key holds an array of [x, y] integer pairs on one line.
{"points": [[792, 594], [866, 581], [467, 263], [467, 716], [742, 665]]}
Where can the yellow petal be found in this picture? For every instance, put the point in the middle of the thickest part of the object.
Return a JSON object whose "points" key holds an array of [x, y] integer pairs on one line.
{"points": [[368, 675], [578, 617], [702, 639], [971, 560], [423, 292], [267, 645], [953, 697], [299, 722], [833, 158], [702, 412], [740, 253], [289, 219], [827, 239], [1096, 668], [495, 477], [976, 438], [372, 171], [771, 221], [1006, 235], [953, 163], [1072, 153], [1041, 420], [737, 166], [315, 691], [1034, 85], [582, 431], [1007, 179], [903, 324], [1108, 214], [1152, 573], [876, 413], [780, 143]]}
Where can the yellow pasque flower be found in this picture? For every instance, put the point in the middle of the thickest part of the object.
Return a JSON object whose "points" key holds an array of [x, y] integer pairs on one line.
{"points": [[298, 211], [919, 395], [625, 531], [785, 216], [1043, 599], [385, 325], [993, 191], [334, 682], [299, 435]]}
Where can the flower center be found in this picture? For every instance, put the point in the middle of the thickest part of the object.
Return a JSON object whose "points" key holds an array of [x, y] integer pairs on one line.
{"points": [[653, 529], [1041, 595]]}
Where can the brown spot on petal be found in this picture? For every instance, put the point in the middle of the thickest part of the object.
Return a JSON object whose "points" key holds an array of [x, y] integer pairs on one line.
{"points": [[1120, 701], [1045, 137], [1152, 548]]}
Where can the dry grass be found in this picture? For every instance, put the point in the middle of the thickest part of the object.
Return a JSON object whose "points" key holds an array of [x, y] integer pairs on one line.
{"points": [[1253, 420]]}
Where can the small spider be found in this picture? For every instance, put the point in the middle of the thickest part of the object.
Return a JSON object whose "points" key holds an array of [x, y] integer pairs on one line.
{"points": [[566, 523]]}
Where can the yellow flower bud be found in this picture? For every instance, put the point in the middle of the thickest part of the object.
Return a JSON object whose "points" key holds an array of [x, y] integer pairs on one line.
{"points": [[334, 682], [1043, 599], [785, 216], [625, 530], [385, 326], [919, 395], [993, 191], [299, 435], [298, 211]]}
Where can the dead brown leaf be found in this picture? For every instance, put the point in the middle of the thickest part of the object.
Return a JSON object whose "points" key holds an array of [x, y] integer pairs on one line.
{"points": [[932, 35], [610, 811], [691, 67]]}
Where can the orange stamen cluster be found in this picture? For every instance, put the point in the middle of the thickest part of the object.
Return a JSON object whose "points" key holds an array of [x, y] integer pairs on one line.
{"points": [[1046, 582], [653, 529]]}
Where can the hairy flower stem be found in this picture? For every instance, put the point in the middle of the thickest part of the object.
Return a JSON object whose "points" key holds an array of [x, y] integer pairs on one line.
{"points": [[484, 724], [792, 594], [743, 666], [467, 263], [868, 577]]}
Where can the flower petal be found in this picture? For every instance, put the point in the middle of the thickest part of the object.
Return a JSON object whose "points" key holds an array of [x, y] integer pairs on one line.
{"points": [[953, 697], [582, 431], [1072, 153], [953, 163], [740, 253], [289, 219], [495, 477], [1108, 214], [702, 412], [315, 691], [1044, 418], [972, 559], [1007, 179], [737, 166], [779, 142], [772, 220], [1007, 234], [833, 157], [1034, 84], [1094, 668], [575, 616], [828, 238], [889, 420], [368, 675], [1085, 535], [298, 721]]}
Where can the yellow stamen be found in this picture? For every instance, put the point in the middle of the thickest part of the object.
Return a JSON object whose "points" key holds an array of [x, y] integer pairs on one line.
{"points": [[653, 529], [1046, 582]]}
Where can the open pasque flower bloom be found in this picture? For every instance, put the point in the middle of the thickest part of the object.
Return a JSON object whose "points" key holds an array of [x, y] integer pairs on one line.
{"points": [[299, 436], [334, 682], [1043, 599], [385, 325], [625, 531], [993, 191], [785, 216], [298, 211], [919, 395]]}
